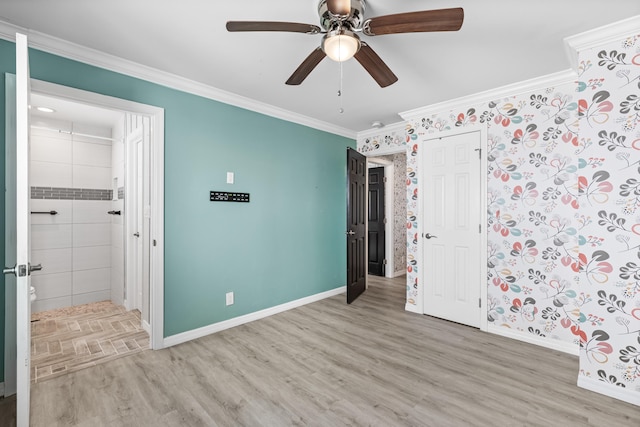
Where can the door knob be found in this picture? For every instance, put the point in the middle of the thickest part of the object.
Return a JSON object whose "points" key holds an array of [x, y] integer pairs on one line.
{"points": [[429, 236], [36, 267], [136, 234], [16, 270]]}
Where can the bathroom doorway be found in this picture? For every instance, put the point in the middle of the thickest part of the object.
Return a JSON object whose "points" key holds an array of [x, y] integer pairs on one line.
{"points": [[80, 231]]}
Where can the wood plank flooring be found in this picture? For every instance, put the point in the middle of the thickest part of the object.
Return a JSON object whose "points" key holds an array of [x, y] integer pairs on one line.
{"points": [[333, 364], [72, 338]]}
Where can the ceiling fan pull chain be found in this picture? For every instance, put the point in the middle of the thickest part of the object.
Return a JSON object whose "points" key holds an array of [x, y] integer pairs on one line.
{"points": [[341, 109]]}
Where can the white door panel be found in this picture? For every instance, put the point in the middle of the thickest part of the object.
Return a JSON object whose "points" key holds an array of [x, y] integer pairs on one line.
{"points": [[451, 234], [23, 194]]}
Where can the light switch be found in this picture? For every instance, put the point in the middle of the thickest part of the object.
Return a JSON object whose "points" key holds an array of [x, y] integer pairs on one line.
{"points": [[229, 177]]}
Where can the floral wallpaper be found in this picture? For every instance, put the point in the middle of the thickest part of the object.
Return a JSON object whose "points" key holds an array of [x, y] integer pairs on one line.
{"points": [[609, 185], [533, 259], [563, 212]]}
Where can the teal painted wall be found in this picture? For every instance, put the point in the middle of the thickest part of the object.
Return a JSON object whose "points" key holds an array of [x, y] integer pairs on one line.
{"points": [[286, 244]]}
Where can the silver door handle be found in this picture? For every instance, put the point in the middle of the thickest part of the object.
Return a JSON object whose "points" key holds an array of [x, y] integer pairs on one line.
{"points": [[350, 233], [16, 270], [136, 234], [429, 236], [36, 267]]}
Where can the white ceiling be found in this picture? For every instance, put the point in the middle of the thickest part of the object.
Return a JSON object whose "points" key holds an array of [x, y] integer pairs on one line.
{"points": [[501, 42]]}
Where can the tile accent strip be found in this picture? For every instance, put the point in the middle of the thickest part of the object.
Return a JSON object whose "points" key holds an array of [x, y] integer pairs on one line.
{"points": [[62, 193]]}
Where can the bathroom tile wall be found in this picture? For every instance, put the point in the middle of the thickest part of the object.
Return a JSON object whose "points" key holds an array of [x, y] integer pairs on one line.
{"points": [[70, 174]]}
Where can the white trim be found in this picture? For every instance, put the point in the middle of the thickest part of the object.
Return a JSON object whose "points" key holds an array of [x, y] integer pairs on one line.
{"points": [[156, 115], [413, 308], [103, 60], [241, 320], [370, 133], [399, 273], [550, 80], [146, 327], [557, 345], [598, 37], [484, 221], [611, 390]]}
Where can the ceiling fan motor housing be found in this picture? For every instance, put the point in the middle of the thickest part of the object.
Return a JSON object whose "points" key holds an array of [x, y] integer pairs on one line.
{"points": [[331, 22]]}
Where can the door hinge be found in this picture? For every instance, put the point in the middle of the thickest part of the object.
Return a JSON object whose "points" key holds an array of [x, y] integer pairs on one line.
{"points": [[384, 262], [384, 221], [479, 150], [154, 242], [479, 302], [384, 179], [480, 228]]}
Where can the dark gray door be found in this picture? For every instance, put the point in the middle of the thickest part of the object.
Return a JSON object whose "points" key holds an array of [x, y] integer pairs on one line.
{"points": [[375, 237], [356, 225]]}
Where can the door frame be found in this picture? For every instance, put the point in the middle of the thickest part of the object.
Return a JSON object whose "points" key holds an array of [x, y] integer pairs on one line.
{"points": [[482, 216], [389, 203], [156, 116]]}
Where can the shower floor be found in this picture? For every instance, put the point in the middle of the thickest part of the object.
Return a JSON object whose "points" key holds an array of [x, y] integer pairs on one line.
{"points": [[72, 338]]}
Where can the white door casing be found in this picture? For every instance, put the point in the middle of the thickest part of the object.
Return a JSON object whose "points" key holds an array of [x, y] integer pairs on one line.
{"points": [[154, 117], [453, 234]]}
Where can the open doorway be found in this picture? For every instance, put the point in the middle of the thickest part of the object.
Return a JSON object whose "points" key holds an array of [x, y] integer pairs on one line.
{"points": [[80, 229], [394, 169]]}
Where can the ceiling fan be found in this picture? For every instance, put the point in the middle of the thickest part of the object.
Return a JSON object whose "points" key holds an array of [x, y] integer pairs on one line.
{"points": [[342, 20]]}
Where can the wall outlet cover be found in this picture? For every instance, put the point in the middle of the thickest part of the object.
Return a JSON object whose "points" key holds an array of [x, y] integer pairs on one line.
{"points": [[229, 298]]}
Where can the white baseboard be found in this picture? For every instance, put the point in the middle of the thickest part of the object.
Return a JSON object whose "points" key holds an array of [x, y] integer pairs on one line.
{"points": [[399, 273], [412, 308], [564, 347], [146, 327], [624, 394], [241, 320]]}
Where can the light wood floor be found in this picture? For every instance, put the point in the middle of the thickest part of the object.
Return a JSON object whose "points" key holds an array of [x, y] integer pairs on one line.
{"points": [[72, 338], [333, 364]]}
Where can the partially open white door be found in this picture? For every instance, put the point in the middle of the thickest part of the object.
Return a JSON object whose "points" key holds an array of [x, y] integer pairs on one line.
{"points": [[18, 163]]}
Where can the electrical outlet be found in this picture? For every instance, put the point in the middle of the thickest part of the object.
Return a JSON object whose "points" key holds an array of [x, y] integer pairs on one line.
{"points": [[229, 298]]}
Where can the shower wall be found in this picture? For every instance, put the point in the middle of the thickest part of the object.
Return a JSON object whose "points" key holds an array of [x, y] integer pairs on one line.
{"points": [[72, 175]]}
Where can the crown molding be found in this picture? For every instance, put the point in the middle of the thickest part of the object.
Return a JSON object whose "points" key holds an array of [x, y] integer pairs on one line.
{"points": [[600, 36], [386, 130], [76, 52], [550, 80]]}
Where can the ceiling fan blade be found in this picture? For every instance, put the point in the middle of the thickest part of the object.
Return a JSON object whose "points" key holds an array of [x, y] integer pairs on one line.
{"points": [[306, 67], [415, 22], [291, 27], [375, 66], [339, 7]]}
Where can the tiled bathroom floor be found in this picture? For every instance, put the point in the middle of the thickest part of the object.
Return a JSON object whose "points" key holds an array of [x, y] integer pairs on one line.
{"points": [[73, 338]]}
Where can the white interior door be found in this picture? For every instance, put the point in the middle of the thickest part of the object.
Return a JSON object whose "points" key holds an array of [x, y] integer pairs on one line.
{"points": [[18, 240], [134, 222], [451, 235]]}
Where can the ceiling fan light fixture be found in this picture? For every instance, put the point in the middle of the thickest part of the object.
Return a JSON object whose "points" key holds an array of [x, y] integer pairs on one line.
{"points": [[340, 45]]}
